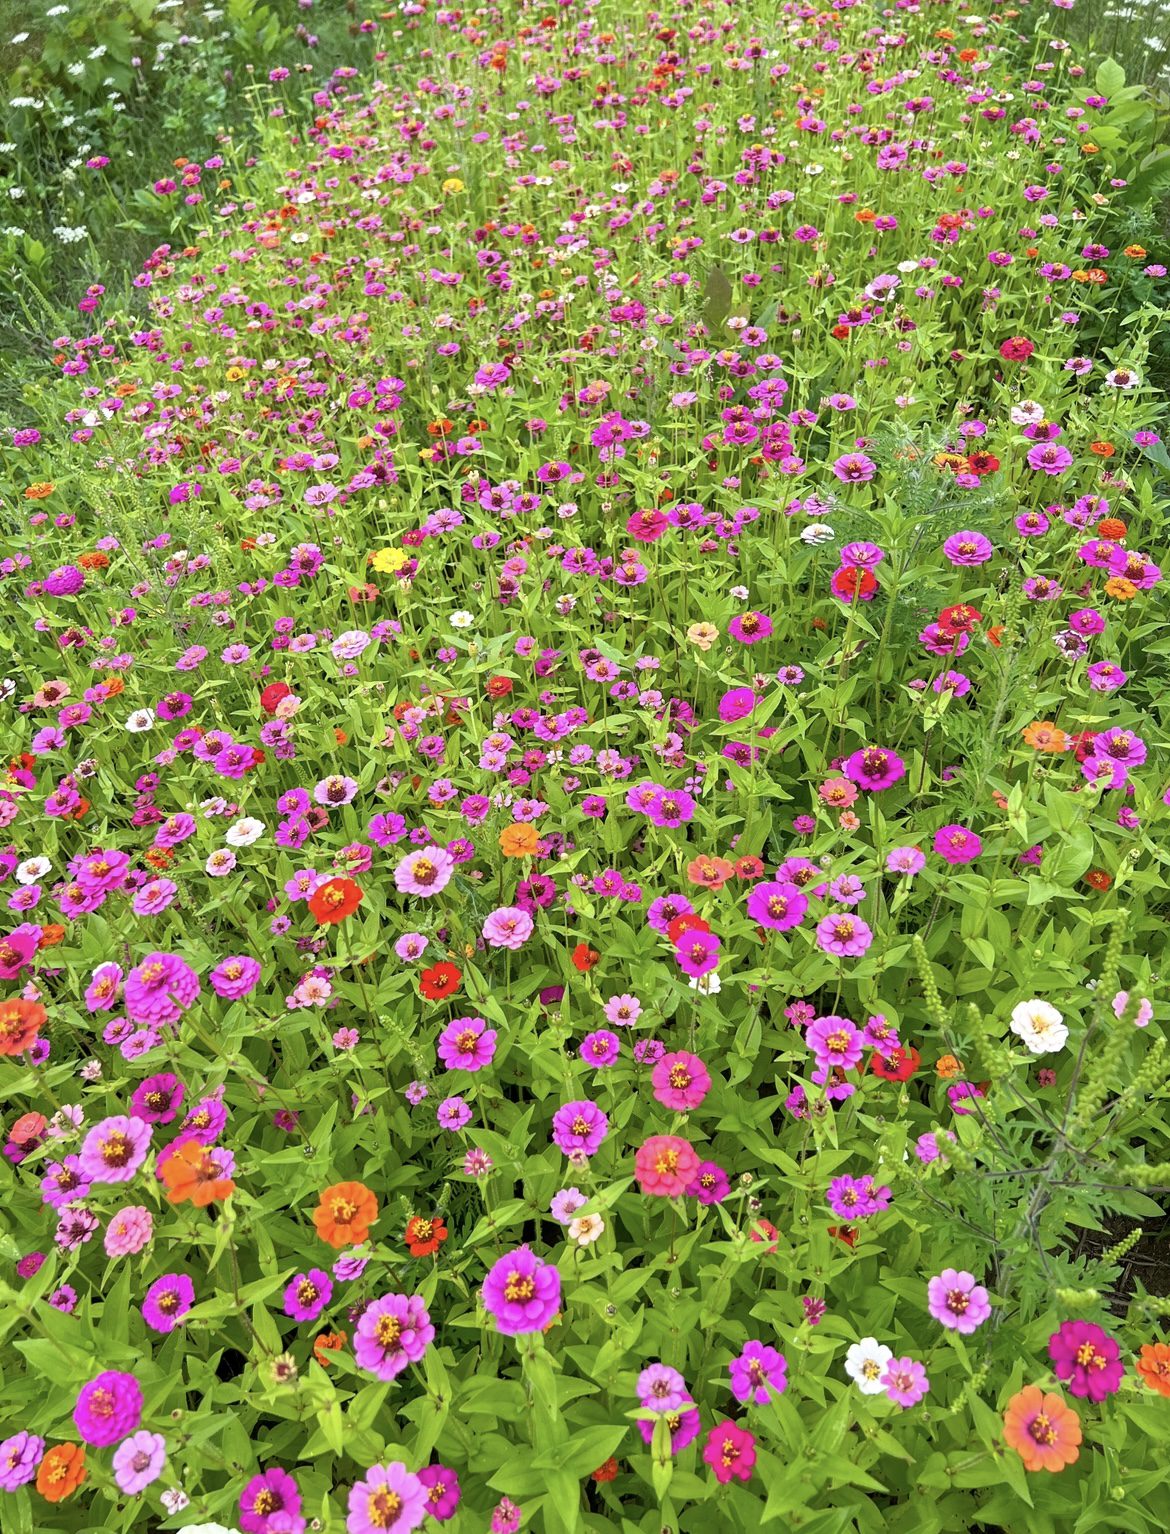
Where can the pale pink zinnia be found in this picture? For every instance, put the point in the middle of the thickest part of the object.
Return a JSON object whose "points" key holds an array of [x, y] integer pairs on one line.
{"points": [[424, 872], [509, 927]]}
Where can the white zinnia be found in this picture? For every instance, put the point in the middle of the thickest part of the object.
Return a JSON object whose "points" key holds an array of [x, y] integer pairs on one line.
{"points": [[1039, 1025], [141, 719], [865, 1363], [244, 832], [32, 870], [585, 1231]]}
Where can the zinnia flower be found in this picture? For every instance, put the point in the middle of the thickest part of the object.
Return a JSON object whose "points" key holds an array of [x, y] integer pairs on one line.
{"points": [[730, 1451], [1043, 1431], [522, 1293], [665, 1165], [1087, 1358]]}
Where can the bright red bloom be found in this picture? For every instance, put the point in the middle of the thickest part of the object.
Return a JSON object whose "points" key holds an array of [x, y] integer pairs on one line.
{"points": [[584, 957], [424, 1237], [688, 922], [272, 695], [900, 1066], [440, 980], [849, 583]]}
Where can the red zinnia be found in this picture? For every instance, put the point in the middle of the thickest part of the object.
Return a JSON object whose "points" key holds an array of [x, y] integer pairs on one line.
{"points": [[334, 900], [424, 1237], [688, 922], [439, 981], [584, 957], [849, 583], [272, 695], [900, 1066]]}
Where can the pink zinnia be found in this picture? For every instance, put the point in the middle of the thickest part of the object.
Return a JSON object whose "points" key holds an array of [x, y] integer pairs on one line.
{"points": [[509, 927], [681, 1081], [467, 1044], [835, 1041], [844, 935], [957, 1302], [665, 1166], [128, 1231], [160, 989], [114, 1149], [424, 872], [235, 977], [104, 988]]}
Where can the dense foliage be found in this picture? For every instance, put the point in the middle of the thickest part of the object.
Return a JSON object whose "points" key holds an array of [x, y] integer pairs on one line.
{"points": [[586, 691]]}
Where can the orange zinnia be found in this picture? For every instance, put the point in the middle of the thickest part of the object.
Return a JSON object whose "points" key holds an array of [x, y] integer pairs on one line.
{"points": [[345, 1214], [1117, 586], [1154, 1366], [326, 1343], [20, 1021], [1043, 1431], [61, 1471], [1045, 736], [519, 841], [192, 1173], [334, 900]]}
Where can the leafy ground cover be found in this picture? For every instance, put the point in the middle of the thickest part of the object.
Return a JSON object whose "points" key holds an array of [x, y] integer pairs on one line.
{"points": [[586, 693]]}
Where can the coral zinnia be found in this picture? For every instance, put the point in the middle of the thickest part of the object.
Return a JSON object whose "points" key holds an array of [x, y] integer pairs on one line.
{"points": [[345, 1214], [20, 1022], [1154, 1366], [665, 1165], [1043, 1431]]}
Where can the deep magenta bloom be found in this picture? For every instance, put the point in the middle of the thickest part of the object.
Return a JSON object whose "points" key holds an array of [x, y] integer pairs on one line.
{"points": [[442, 1491], [1087, 1359], [393, 1332], [956, 844], [167, 1301], [736, 704], [776, 906], [307, 1295], [710, 1184], [758, 1374], [697, 952], [522, 1293], [683, 1421], [271, 1501], [730, 1451], [875, 767], [681, 1081], [160, 989], [467, 1044], [579, 1128], [109, 1408], [957, 1302]]}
